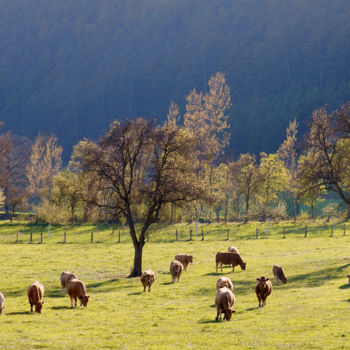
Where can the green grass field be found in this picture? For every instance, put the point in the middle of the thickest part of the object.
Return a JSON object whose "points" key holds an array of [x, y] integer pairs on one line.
{"points": [[310, 312]]}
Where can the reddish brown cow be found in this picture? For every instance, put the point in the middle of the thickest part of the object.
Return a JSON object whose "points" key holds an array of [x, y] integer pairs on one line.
{"points": [[184, 259], [77, 290], [35, 293], [279, 274], [147, 279], [65, 277], [227, 258], [224, 301], [263, 289]]}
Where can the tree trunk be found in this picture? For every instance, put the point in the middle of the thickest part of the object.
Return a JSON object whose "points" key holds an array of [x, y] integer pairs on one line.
{"points": [[295, 209], [226, 208], [217, 211], [312, 212], [171, 213], [348, 213], [137, 269]]}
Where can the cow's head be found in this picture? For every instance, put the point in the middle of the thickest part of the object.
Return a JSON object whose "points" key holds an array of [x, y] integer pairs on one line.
{"points": [[284, 279], [84, 300], [262, 280], [190, 259], [228, 314], [243, 266], [39, 306]]}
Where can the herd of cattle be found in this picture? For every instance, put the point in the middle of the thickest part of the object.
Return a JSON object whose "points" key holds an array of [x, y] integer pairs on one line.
{"points": [[224, 299]]}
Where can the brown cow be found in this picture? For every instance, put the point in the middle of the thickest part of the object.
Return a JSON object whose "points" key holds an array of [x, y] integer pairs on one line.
{"points": [[224, 282], [224, 301], [233, 259], [2, 303], [279, 275], [65, 277], [76, 289], [147, 279], [348, 276], [233, 250], [263, 289], [35, 293], [176, 269], [184, 259]]}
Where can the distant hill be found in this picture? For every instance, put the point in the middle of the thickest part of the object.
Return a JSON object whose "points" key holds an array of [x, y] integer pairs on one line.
{"points": [[71, 67]]}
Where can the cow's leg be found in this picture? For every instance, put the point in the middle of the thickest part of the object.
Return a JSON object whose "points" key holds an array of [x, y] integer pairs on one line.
{"points": [[144, 287], [259, 301], [149, 288], [233, 268], [217, 270], [75, 301], [71, 301], [31, 307], [221, 267]]}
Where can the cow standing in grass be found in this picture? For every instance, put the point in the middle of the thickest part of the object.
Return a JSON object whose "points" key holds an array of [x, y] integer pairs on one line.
{"points": [[77, 290], [2, 303], [279, 275], [147, 279], [228, 258], [263, 289], [224, 301], [184, 259], [65, 277], [35, 293], [176, 269], [233, 249], [224, 282]]}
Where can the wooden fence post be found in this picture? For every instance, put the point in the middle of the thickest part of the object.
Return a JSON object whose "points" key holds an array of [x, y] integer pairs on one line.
{"points": [[177, 237], [113, 231], [64, 238], [31, 237], [305, 231], [228, 235], [190, 234], [284, 232], [119, 236], [202, 235], [344, 229], [92, 237], [16, 237], [41, 237], [331, 231], [256, 233]]}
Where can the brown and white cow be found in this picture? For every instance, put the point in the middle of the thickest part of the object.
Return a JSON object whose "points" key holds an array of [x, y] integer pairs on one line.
{"points": [[233, 249], [176, 269], [77, 290], [35, 294], [227, 258], [224, 301], [224, 282], [279, 275], [2, 303], [184, 259], [147, 279], [65, 277], [263, 289]]}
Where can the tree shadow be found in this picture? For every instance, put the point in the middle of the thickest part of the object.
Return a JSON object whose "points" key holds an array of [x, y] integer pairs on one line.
{"points": [[136, 293], [55, 294], [106, 286], [345, 286], [348, 300], [213, 274]]}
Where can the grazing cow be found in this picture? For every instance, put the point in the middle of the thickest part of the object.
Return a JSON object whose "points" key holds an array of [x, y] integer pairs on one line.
{"points": [[65, 277], [224, 301], [184, 259], [348, 276], [233, 250], [35, 293], [233, 259], [76, 289], [176, 269], [147, 279], [279, 275], [224, 282], [2, 303], [263, 289]]}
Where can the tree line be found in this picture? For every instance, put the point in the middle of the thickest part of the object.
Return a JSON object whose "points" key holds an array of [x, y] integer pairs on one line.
{"points": [[142, 172]]}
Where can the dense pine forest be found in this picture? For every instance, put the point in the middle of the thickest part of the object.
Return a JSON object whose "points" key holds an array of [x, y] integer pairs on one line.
{"points": [[71, 67]]}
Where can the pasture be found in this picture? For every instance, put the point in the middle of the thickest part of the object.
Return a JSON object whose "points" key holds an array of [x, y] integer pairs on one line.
{"points": [[310, 312]]}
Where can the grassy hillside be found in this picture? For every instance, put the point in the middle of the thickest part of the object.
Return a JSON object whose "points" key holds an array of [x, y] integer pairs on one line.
{"points": [[309, 312]]}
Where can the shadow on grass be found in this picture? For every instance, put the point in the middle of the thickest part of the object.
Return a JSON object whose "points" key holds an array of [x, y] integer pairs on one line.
{"points": [[208, 321], [20, 313], [214, 274], [108, 285], [61, 308], [316, 279], [167, 283], [15, 293], [345, 286], [55, 294], [136, 293]]}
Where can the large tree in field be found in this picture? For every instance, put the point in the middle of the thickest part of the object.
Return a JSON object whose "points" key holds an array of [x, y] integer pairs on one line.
{"points": [[328, 148], [136, 163]]}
